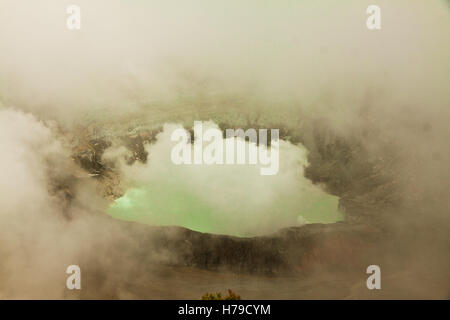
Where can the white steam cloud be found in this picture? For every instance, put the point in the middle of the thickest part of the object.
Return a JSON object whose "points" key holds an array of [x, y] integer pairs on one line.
{"points": [[228, 199]]}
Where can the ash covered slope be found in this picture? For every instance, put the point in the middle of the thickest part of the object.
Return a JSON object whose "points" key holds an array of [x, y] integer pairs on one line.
{"points": [[158, 257]]}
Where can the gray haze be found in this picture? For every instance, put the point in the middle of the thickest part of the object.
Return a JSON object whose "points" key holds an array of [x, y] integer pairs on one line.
{"points": [[281, 63]]}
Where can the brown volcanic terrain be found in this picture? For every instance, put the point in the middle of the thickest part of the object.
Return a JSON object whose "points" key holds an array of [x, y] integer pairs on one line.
{"points": [[309, 262]]}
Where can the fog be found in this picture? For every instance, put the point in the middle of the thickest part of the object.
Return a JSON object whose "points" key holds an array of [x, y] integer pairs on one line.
{"points": [[287, 64]]}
